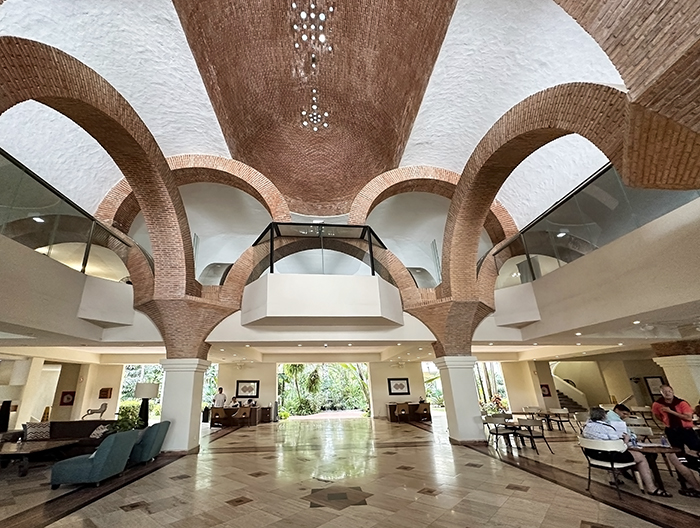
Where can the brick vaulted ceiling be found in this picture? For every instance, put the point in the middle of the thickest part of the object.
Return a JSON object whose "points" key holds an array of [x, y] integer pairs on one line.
{"points": [[370, 75]]}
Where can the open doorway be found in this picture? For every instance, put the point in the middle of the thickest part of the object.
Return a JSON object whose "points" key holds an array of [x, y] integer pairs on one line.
{"points": [[332, 389]]}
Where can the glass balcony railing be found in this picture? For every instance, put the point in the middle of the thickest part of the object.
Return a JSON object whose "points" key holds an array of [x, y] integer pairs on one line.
{"points": [[38, 216], [599, 211]]}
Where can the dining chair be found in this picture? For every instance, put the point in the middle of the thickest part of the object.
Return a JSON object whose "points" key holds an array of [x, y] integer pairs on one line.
{"points": [[532, 429], [590, 447], [423, 412], [635, 421], [530, 412], [402, 410], [561, 416], [500, 428], [241, 414], [645, 412], [642, 432]]}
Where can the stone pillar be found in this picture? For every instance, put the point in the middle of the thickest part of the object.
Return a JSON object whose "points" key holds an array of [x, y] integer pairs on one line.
{"points": [[683, 374], [461, 398], [26, 372], [183, 381]]}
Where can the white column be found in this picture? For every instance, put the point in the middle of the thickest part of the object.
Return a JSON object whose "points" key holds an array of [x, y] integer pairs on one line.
{"points": [[461, 398], [26, 372], [683, 374], [183, 381]]}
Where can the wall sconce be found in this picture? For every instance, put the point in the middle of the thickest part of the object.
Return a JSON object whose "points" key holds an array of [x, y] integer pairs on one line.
{"points": [[145, 391]]}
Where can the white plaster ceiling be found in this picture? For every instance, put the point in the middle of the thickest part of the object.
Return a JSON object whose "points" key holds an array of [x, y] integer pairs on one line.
{"points": [[495, 54]]}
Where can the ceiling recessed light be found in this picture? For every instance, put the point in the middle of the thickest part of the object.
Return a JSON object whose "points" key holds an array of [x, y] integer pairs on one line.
{"points": [[556, 356], [398, 344], [38, 219], [578, 333], [221, 349], [534, 344], [619, 344], [561, 235], [349, 344], [419, 348], [636, 322], [578, 343], [584, 353], [247, 345], [299, 344], [490, 344]]}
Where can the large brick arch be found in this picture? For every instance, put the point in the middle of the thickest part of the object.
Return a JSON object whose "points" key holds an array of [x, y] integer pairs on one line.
{"points": [[31, 70], [596, 112], [255, 260], [499, 224], [120, 206]]}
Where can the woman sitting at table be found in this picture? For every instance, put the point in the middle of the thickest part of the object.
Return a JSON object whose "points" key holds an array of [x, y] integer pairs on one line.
{"points": [[597, 428]]}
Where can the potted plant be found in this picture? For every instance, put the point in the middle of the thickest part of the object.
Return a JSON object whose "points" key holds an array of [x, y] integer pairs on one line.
{"points": [[127, 419]]}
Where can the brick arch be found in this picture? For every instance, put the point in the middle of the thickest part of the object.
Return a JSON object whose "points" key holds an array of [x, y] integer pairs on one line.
{"points": [[255, 260], [32, 70], [499, 224], [596, 112], [120, 208]]}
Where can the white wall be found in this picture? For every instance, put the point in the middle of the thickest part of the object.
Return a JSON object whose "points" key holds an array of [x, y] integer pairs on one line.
{"points": [[543, 373], [520, 385], [67, 381], [379, 373], [47, 388], [266, 373], [588, 379], [617, 381], [641, 369], [91, 379]]}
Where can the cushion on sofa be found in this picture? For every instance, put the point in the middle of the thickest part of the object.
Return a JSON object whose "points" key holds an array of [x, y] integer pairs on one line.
{"points": [[37, 431]]}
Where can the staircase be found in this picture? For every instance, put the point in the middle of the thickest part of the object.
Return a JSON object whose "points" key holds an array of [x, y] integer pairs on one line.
{"points": [[570, 404]]}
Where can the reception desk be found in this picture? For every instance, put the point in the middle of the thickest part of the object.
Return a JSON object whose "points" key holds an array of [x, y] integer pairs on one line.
{"points": [[412, 416]]}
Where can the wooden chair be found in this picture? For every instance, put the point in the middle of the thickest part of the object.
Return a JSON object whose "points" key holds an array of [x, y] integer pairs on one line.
{"points": [[609, 446], [423, 412], [402, 409], [532, 429], [217, 416]]}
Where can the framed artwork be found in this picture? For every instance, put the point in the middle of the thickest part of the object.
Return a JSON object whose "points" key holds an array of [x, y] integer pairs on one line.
{"points": [[248, 389], [398, 386], [67, 398], [105, 393], [545, 390], [654, 385]]}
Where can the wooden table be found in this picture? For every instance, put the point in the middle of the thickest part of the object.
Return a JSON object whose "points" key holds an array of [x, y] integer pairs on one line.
{"points": [[24, 449], [647, 451]]}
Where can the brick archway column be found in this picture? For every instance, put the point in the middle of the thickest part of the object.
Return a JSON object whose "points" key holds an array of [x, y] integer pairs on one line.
{"points": [[184, 324], [32, 70]]}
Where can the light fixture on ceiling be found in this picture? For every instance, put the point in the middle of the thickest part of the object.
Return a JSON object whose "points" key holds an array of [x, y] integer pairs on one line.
{"points": [[562, 234], [578, 344], [420, 348], [299, 344], [578, 333], [620, 344], [398, 344], [221, 349], [535, 344], [490, 344], [636, 322], [38, 219], [647, 327], [349, 344], [247, 346]]}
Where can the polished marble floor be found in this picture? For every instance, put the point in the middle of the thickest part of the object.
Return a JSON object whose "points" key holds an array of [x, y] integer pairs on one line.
{"points": [[343, 473]]}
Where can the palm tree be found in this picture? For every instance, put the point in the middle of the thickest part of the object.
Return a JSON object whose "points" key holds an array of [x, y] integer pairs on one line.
{"points": [[293, 370]]}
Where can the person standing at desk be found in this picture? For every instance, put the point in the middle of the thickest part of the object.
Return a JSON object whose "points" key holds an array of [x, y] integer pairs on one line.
{"points": [[219, 398], [677, 416]]}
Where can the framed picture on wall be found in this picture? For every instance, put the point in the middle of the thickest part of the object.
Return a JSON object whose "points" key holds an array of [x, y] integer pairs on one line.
{"points": [[248, 389], [654, 385], [545, 390], [67, 398], [398, 386]]}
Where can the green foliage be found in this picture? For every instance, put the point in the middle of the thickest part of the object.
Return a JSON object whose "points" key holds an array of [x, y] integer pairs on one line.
{"points": [[283, 415], [433, 389], [308, 389], [128, 417]]}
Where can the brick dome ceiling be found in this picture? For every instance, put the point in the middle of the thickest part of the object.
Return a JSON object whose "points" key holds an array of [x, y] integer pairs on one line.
{"points": [[365, 64]]}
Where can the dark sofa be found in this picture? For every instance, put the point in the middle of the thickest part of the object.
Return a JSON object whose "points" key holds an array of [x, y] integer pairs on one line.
{"points": [[80, 430]]}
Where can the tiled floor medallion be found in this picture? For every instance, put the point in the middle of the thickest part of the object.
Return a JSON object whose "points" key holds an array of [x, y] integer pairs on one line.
{"points": [[406, 468], [238, 501], [472, 464], [337, 497], [429, 491], [258, 474], [517, 487], [323, 480]]}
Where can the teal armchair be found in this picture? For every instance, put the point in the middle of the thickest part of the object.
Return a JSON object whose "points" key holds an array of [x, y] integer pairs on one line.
{"points": [[150, 443], [108, 460]]}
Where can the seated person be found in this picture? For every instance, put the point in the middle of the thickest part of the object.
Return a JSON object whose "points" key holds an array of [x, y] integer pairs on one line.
{"points": [[251, 402], [597, 428], [234, 403]]}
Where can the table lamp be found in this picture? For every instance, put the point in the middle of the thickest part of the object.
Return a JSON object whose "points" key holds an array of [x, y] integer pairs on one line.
{"points": [[145, 391]]}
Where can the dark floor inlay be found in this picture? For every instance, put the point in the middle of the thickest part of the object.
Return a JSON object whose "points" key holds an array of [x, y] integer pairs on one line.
{"points": [[518, 487], [406, 468], [239, 501], [337, 497], [7, 502], [323, 480], [301, 459], [134, 506], [180, 477], [573, 461], [389, 453], [588, 524], [472, 464], [429, 491], [258, 474], [270, 457]]}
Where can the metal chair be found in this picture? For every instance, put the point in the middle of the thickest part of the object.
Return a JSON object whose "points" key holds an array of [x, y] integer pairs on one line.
{"points": [[402, 409], [581, 419], [101, 410], [532, 429], [646, 414], [530, 412], [561, 416], [500, 429], [642, 432], [608, 446]]}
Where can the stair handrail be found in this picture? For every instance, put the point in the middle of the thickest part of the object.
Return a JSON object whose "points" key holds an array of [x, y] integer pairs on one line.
{"points": [[571, 391]]}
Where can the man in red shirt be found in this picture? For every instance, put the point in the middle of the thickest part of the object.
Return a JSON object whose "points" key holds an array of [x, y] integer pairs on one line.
{"points": [[677, 416]]}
